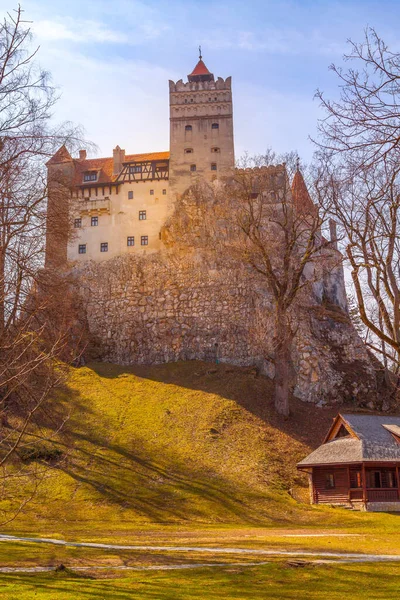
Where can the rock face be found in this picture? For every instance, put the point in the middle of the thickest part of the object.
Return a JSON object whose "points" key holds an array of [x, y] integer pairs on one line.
{"points": [[164, 308]]}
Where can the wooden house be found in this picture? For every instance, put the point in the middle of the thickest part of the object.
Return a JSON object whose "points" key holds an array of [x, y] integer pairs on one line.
{"points": [[358, 464]]}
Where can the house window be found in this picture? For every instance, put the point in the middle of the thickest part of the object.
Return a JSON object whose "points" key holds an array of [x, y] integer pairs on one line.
{"points": [[135, 169], [94, 221], [78, 223], [144, 240], [151, 192], [104, 247], [188, 150], [130, 240], [164, 192], [142, 215], [391, 479], [329, 481], [90, 177], [188, 128], [213, 166], [377, 479], [82, 249], [215, 150], [215, 126], [192, 167], [130, 195]]}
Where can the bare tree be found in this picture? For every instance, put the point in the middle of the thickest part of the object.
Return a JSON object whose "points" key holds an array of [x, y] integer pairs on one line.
{"points": [[365, 122], [252, 218], [30, 346], [359, 183]]}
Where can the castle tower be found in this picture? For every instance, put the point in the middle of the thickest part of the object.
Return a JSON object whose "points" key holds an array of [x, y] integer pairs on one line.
{"points": [[201, 129]]}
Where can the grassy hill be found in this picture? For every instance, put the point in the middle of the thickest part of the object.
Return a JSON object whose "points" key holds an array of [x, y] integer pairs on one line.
{"points": [[185, 442]]}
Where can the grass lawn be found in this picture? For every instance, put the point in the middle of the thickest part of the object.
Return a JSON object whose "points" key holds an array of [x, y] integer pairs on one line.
{"points": [[185, 454], [277, 581]]}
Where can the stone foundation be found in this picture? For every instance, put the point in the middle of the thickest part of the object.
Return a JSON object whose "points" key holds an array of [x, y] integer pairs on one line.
{"points": [[165, 308]]}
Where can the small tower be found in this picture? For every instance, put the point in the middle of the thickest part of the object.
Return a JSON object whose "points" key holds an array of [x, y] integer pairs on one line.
{"points": [[201, 128]]}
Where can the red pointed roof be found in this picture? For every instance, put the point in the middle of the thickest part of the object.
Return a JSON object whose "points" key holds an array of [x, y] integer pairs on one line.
{"points": [[62, 155], [200, 69], [301, 197]]}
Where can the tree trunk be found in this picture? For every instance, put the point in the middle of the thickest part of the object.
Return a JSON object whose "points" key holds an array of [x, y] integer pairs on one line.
{"points": [[282, 363]]}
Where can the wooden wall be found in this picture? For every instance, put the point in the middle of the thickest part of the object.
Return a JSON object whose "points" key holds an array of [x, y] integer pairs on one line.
{"points": [[337, 495]]}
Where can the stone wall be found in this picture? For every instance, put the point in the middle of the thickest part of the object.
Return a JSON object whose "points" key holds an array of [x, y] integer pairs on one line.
{"points": [[168, 307]]}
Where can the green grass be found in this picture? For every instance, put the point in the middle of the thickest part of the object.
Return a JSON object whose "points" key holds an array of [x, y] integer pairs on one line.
{"points": [[182, 454], [280, 582], [168, 444]]}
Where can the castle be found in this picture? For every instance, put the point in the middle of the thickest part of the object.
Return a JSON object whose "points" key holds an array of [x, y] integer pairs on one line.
{"points": [[143, 304], [122, 202]]}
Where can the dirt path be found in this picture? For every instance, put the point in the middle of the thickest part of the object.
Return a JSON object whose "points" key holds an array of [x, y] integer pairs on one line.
{"points": [[337, 556]]}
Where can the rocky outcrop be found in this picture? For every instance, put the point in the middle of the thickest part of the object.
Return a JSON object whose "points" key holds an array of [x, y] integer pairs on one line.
{"points": [[165, 307]]}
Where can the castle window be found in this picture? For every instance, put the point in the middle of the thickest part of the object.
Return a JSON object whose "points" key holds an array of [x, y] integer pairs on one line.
{"points": [[188, 150], [192, 167], [188, 128], [82, 249], [191, 99], [142, 215], [78, 223], [215, 126], [135, 169], [130, 240], [164, 192], [185, 100], [94, 221], [215, 149], [151, 192], [130, 195], [104, 247], [144, 240], [90, 176], [213, 166]]}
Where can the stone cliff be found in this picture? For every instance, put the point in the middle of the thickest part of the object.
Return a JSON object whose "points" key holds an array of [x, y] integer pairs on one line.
{"points": [[168, 307]]}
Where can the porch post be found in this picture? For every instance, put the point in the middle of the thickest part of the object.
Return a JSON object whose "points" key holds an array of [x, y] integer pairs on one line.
{"points": [[348, 483], [364, 484]]}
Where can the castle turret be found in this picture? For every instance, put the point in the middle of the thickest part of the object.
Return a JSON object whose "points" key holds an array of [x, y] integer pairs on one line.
{"points": [[201, 128], [60, 169]]}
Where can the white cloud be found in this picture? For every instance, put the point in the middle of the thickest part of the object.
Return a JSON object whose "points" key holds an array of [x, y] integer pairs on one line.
{"points": [[88, 31]]}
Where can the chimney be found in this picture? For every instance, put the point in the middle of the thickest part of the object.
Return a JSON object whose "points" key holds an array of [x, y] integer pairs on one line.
{"points": [[333, 232], [119, 157], [82, 154]]}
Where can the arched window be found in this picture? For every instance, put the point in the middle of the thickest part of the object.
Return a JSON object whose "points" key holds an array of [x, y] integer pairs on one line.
{"points": [[188, 150], [188, 128], [215, 126]]}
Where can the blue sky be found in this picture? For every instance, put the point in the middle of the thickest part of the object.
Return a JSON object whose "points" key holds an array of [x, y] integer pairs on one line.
{"points": [[112, 61]]}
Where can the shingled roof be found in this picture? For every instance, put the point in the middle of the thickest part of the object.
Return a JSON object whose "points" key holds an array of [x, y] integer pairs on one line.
{"points": [[371, 438], [103, 166]]}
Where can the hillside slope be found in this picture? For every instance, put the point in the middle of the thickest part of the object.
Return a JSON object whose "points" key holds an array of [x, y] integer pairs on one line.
{"points": [[183, 442]]}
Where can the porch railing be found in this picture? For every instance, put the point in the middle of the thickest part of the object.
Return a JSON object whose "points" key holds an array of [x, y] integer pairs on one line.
{"points": [[383, 495]]}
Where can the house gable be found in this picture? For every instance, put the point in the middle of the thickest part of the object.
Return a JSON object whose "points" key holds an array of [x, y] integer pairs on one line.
{"points": [[340, 428]]}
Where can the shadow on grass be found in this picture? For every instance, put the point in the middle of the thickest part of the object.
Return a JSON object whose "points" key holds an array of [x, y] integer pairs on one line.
{"points": [[159, 486]]}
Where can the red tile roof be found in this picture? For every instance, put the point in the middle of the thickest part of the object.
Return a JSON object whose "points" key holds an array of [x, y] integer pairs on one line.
{"points": [[301, 197], [62, 155], [104, 166], [200, 69]]}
